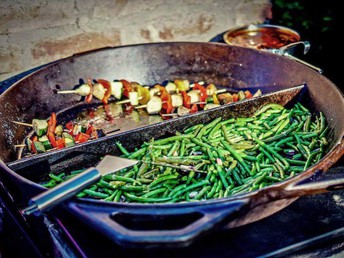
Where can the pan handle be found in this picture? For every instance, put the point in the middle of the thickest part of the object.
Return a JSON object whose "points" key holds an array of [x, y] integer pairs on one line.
{"points": [[315, 187], [48, 199], [175, 225]]}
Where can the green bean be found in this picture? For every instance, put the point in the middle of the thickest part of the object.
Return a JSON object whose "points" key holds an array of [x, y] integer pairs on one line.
{"points": [[55, 177], [172, 139], [120, 178], [188, 188], [95, 194], [162, 147], [122, 149], [132, 188], [272, 151], [209, 126], [144, 180], [154, 192], [193, 128], [268, 106], [295, 161], [111, 197], [214, 130], [174, 148], [222, 175], [212, 190], [202, 192], [145, 199], [50, 184], [199, 143], [118, 196], [296, 168], [310, 158], [236, 176], [176, 189], [74, 172], [137, 153], [162, 179], [236, 156]]}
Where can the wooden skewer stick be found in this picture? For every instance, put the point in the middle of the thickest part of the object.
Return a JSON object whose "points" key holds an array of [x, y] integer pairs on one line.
{"points": [[220, 91], [125, 101], [21, 123], [170, 114], [66, 92], [140, 106], [19, 145]]}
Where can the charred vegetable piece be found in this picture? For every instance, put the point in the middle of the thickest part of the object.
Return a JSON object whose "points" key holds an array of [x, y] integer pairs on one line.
{"points": [[171, 87], [59, 130], [40, 126], [28, 143], [241, 95], [99, 91], [182, 111], [134, 98], [83, 90], [182, 85], [107, 86], [258, 93], [210, 106], [45, 141], [52, 139], [68, 139], [60, 143], [225, 98], [177, 100], [154, 105], [52, 122], [82, 137], [144, 95], [39, 147], [117, 89]]}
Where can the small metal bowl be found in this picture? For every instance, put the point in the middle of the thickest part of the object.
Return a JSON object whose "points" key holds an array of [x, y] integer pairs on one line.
{"points": [[261, 36]]}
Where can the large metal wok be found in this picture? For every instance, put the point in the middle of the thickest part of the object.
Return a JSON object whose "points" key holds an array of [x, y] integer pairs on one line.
{"points": [[162, 224]]}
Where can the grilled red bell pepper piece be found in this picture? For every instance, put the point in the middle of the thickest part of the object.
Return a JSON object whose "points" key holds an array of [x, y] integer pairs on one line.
{"points": [[194, 108], [166, 99], [126, 88], [70, 126], [52, 122], [33, 148], [186, 99], [235, 97], [60, 143], [203, 93], [82, 137], [89, 129], [52, 139], [248, 94]]}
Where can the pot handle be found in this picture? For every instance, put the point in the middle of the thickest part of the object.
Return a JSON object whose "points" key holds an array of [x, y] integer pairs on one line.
{"points": [[157, 225]]}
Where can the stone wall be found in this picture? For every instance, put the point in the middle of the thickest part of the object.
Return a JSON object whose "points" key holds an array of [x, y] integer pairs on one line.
{"points": [[36, 32]]}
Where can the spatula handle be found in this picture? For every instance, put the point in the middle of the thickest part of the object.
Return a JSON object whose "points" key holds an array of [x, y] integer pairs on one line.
{"points": [[63, 191]]}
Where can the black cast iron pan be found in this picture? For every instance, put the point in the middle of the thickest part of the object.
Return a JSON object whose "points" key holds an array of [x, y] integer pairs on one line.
{"points": [[172, 224]]}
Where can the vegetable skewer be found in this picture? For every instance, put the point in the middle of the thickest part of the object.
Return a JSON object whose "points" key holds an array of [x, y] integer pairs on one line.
{"points": [[172, 98], [48, 135]]}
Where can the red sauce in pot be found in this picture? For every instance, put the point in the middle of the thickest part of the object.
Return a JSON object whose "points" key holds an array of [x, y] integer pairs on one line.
{"points": [[261, 37]]}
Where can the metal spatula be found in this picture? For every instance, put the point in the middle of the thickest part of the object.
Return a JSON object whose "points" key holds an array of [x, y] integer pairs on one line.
{"points": [[69, 188]]}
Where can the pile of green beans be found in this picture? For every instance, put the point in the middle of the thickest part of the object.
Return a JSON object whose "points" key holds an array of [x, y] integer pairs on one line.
{"points": [[227, 157]]}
